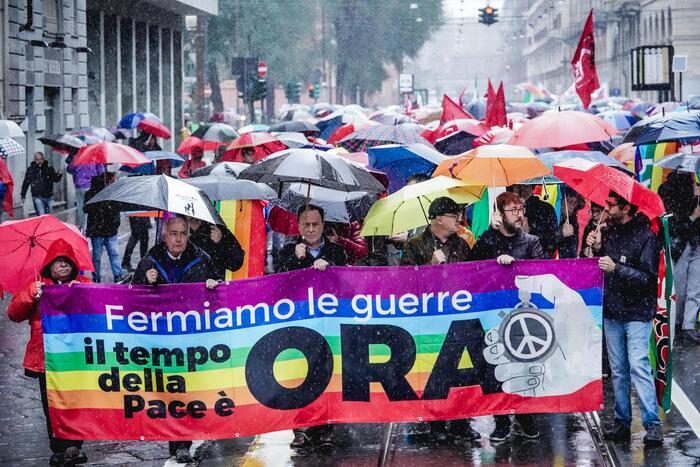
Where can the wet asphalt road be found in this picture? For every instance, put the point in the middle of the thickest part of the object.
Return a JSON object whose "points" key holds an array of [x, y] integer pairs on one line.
{"points": [[565, 438]]}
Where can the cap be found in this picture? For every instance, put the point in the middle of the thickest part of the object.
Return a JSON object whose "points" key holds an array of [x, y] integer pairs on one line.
{"points": [[443, 205]]}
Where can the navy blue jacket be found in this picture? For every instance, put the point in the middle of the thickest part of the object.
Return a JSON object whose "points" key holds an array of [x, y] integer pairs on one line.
{"points": [[194, 265]]}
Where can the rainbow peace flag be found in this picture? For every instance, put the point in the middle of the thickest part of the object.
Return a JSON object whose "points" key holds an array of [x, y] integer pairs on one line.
{"points": [[244, 218], [644, 168]]}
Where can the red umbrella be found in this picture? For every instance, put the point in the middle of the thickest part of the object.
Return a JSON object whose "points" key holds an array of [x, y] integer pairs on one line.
{"points": [[110, 153], [24, 245], [190, 143], [473, 127], [263, 143], [155, 128], [560, 129], [594, 181], [344, 130]]}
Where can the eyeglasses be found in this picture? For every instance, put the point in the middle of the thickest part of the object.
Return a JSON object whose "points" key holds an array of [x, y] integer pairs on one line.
{"points": [[609, 204], [456, 217], [515, 211]]}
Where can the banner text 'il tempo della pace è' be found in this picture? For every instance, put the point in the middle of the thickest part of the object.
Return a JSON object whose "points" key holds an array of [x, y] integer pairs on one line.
{"points": [[346, 345]]}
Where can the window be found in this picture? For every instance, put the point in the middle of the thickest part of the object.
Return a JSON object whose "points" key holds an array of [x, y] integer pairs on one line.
{"points": [[52, 18]]}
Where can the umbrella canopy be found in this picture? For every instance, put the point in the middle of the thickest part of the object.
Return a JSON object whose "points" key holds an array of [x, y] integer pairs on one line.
{"points": [[24, 245], [223, 188], [625, 152], [249, 140], [681, 161], [110, 153], [132, 120], [408, 208], [399, 162], [477, 108], [365, 138], [165, 155], [293, 139], [594, 181], [467, 125], [642, 109], [677, 126], [496, 135], [623, 120], [349, 128], [663, 108], [313, 167], [214, 135], [93, 134], [253, 128], [10, 147], [10, 129], [222, 169], [162, 193], [338, 206], [560, 129], [391, 118], [455, 143], [501, 165], [295, 126], [154, 128], [556, 157], [63, 142], [328, 124], [189, 144]]}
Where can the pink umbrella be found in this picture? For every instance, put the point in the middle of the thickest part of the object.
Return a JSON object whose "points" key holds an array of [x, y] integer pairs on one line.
{"points": [[110, 153], [560, 129]]}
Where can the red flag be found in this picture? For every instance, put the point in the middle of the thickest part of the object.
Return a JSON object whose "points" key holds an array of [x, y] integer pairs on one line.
{"points": [[490, 93], [451, 111], [496, 112], [583, 64]]}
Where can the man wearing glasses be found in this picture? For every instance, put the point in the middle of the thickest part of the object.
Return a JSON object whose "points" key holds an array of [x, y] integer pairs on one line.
{"points": [[628, 254], [506, 241], [440, 244]]}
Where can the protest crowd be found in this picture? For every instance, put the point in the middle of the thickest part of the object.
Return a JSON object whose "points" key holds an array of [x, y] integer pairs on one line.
{"points": [[343, 187]]}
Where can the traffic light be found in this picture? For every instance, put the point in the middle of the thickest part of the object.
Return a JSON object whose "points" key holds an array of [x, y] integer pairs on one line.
{"points": [[316, 90], [488, 15], [251, 89], [292, 91], [312, 90]]}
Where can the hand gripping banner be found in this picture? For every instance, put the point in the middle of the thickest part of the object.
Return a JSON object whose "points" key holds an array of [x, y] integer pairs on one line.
{"points": [[308, 347]]}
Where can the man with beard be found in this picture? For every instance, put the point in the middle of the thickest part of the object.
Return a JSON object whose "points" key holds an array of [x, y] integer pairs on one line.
{"points": [[506, 242], [540, 218], [628, 254]]}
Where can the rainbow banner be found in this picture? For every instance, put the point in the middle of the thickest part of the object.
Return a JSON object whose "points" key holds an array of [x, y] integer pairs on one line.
{"points": [[245, 219], [647, 173], [307, 347]]}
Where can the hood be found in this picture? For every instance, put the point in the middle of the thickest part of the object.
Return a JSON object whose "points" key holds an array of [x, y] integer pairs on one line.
{"points": [[58, 248]]}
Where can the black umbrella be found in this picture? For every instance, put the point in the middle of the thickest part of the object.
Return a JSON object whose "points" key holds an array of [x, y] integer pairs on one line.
{"points": [[455, 143], [295, 126], [222, 187], [312, 167], [63, 142], [338, 206], [161, 193]]}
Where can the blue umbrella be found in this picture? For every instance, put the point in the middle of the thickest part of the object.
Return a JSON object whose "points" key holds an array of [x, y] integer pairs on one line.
{"points": [[620, 119], [163, 155], [132, 120], [477, 109], [680, 126], [400, 162]]}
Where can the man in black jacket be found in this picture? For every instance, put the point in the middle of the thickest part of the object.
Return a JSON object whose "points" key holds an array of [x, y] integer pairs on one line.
{"points": [[629, 256], [175, 260], [219, 243], [506, 242], [540, 218], [566, 235], [102, 227], [41, 177], [311, 249]]}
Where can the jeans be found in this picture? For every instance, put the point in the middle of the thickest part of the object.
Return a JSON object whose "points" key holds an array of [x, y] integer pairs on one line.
{"points": [[111, 243], [686, 276], [80, 217], [628, 353], [42, 205]]}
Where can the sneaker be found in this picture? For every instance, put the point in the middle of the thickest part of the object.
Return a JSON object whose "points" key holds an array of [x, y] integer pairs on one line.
{"points": [[501, 433], [462, 428], [419, 429], [324, 442], [74, 456], [301, 441], [619, 432], [182, 456], [528, 430], [654, 436]]}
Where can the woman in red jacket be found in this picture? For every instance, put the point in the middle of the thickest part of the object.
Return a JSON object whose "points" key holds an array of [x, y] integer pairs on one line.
{"points": [[59, 267]]}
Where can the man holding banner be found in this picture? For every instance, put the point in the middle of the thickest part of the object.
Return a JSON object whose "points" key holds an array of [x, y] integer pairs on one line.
{"points": [[629, 256], [176, 260]]}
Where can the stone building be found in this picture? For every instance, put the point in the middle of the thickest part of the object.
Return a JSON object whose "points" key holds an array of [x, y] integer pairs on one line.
{"points": [[75, 63]]}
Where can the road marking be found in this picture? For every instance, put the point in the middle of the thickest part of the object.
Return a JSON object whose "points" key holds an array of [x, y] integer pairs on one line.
{"points": [[171, 462], [685, 407]]}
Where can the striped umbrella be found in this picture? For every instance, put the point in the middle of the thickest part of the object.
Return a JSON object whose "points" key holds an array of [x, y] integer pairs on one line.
{"points": [[366, 138]]}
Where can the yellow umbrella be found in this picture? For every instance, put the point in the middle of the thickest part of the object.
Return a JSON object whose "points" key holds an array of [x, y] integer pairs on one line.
{"points": [[407, 208], [493, 165]]}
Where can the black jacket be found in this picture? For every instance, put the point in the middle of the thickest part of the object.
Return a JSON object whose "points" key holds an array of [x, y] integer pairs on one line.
{"points": [[542, 219], [493, 244], [102, 218], [41, 179], [226, 255], [682, 231], [630, 292], [419, 249], [194, 265], [331, 252], [567, 246]]}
